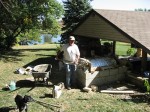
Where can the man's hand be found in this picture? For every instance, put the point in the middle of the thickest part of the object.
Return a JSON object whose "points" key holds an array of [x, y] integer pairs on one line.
{"points": [[76, 62], [77, 59]]}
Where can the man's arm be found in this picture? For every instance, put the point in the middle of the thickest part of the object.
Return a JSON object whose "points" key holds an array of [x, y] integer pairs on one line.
{"points": [[77, 59], [77, 56]]}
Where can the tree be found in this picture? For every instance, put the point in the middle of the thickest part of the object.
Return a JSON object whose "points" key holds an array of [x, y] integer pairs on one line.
{"points": [[140, 9], [20, 16], [32, 34], [47, 38], [74, 12]]}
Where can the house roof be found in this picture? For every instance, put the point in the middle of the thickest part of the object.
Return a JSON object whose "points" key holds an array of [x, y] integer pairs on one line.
{"points": [[125, 26]]}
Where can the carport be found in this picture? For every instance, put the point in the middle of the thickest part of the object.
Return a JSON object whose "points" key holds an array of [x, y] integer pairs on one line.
{"points": [[116, 25]]}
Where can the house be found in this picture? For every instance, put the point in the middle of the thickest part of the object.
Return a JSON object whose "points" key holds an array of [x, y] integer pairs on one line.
{"points": [[116, 25]]}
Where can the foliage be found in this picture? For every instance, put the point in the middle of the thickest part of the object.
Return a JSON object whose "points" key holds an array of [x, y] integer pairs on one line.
{"points": [[47, 38], [130, 51], [147, 85], [75, 10], [140, 9], [32, 34], [20, 16]]}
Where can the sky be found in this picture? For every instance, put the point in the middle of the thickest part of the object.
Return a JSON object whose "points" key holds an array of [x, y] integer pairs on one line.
{"points": [[130, 5]]}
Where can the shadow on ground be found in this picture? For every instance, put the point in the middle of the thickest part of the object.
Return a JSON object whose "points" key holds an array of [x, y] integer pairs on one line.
{"points": [[15, 54], [24, 83], [138, 98], [7, 109], [56, 75]]}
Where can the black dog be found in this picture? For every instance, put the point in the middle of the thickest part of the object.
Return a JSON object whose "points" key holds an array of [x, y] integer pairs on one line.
{"points": [[21, 102], [60, 55]]}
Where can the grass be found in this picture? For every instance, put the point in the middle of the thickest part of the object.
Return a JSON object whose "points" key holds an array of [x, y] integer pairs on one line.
{"points": [[121, 47], [71, 100]]}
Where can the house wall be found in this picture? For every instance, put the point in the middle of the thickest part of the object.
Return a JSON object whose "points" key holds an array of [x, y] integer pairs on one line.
{"points": [[96, 27]]}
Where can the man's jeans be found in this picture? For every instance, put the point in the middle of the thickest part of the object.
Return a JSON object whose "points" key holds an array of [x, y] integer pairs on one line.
{"points": [[70, 75]]}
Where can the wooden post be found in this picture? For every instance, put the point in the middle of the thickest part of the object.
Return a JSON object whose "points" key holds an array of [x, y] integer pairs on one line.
{"points": [[114, 48], [144, 61]]}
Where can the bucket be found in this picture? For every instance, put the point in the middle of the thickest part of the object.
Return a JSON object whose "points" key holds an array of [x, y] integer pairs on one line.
{"points": [[12, 86]]}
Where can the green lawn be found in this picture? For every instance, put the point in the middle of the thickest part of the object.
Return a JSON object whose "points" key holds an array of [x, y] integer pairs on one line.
{"points": [[121, 47], [71, 100]]}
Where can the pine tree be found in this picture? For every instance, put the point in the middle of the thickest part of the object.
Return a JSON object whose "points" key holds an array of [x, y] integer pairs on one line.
{"points": [[74, 12]]}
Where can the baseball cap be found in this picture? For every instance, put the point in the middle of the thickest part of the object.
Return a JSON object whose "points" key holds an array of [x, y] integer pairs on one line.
{"points": [[71, 38]]}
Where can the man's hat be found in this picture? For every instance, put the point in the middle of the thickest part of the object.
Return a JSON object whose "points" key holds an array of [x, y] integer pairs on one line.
{"points": [[71, 38]]}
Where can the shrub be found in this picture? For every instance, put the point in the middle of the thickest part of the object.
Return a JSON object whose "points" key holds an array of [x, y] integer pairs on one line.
{"points": [[147, 85], [131, 51]]}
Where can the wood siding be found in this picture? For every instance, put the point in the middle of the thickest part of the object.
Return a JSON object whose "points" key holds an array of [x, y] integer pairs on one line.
{"points": [[96, 27]]}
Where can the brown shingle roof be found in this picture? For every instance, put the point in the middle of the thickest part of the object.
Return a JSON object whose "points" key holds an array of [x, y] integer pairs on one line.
{"points": [[135, 25]]}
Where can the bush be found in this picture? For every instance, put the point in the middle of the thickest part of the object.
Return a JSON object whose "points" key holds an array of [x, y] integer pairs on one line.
{"points": [[130, 51], [147, 85]]}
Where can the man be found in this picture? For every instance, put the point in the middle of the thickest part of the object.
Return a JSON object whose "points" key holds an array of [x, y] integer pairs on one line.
{"points": [[71, 55]]}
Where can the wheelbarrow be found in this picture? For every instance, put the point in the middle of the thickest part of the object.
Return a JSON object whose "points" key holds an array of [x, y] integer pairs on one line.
{"points": [[41, 73]]}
